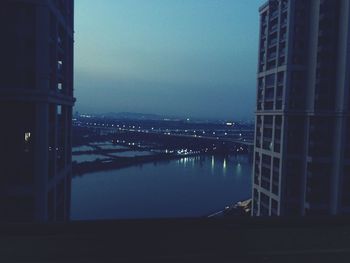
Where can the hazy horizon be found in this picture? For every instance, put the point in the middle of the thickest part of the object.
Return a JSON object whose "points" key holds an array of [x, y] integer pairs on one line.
{"points": [[180, 58]]}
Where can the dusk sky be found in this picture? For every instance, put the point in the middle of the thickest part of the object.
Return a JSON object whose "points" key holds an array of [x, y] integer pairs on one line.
{"points": [[188, 58]]}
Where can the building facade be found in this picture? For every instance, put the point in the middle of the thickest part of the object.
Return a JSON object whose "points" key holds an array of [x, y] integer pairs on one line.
{"points": [[302, 136], [36, 99]]}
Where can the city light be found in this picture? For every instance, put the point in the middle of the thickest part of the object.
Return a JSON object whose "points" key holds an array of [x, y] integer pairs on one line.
{"points": [[27, 136]]}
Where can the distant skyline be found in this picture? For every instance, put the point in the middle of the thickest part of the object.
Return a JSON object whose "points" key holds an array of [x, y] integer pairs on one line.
{"points": [[168, 57]]}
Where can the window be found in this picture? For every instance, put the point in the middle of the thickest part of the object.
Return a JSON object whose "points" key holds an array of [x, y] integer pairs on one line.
{"points": [[59, 110], [59, 86], [27, 136], [60, 66], [27, 141]]}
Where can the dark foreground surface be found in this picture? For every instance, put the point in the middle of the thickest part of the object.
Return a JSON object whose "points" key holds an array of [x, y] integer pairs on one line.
{"points": [[180, 240]]}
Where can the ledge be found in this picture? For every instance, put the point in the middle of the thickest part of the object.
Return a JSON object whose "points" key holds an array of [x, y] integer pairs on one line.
{"points": [[179, 240]]}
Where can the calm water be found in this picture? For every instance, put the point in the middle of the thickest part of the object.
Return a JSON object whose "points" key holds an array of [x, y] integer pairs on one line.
{"points": [[194, 186]]}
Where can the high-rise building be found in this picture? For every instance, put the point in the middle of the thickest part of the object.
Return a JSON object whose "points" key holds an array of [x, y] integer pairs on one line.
{"points": [[302, 137], [36, 99]]}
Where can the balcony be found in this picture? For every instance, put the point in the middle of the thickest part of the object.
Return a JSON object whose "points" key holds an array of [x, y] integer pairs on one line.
{"points": [[283, 38], [273, 29], [282, 53], [276, 169], [258, 143], [270, 85], [268, 105], [284, 23], [269, 99], [266, 165], [268, 122], [272, 56], [273, 42], [274, 15], [284, 7]]}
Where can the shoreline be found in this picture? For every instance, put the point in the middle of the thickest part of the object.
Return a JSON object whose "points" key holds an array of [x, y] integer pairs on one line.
{"points": [[123, 162]]}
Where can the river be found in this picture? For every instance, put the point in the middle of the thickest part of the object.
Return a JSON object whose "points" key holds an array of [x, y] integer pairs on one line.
{"points": [[187, 187]]}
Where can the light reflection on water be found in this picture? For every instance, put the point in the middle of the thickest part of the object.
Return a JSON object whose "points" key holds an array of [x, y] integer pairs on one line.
{"points": [[224, 167], [186, 187], [212, 164], [238, 169]]}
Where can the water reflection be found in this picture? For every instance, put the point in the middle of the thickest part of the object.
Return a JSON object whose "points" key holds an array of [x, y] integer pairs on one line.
{"points": [[238, 170], [224, 167], [218, 165], [212, 164]]}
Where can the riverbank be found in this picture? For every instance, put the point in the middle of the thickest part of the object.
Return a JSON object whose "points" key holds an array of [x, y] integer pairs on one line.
{"points": [[121, 162], [241, 208]]}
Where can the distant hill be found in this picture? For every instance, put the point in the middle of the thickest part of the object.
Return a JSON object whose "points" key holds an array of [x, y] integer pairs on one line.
{"points": [[132, 116], [154, 117]]}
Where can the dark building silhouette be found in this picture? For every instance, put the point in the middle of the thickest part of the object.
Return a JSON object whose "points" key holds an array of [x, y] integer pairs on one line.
{"points": [[302, 144], [36, 99]]}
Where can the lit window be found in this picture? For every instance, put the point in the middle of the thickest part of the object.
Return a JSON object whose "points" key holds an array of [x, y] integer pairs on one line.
{"points": [[27, 136], [59, 109]]}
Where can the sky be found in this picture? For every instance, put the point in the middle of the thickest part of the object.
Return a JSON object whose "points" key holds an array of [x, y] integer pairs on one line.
{"points": [[186, 58]]}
